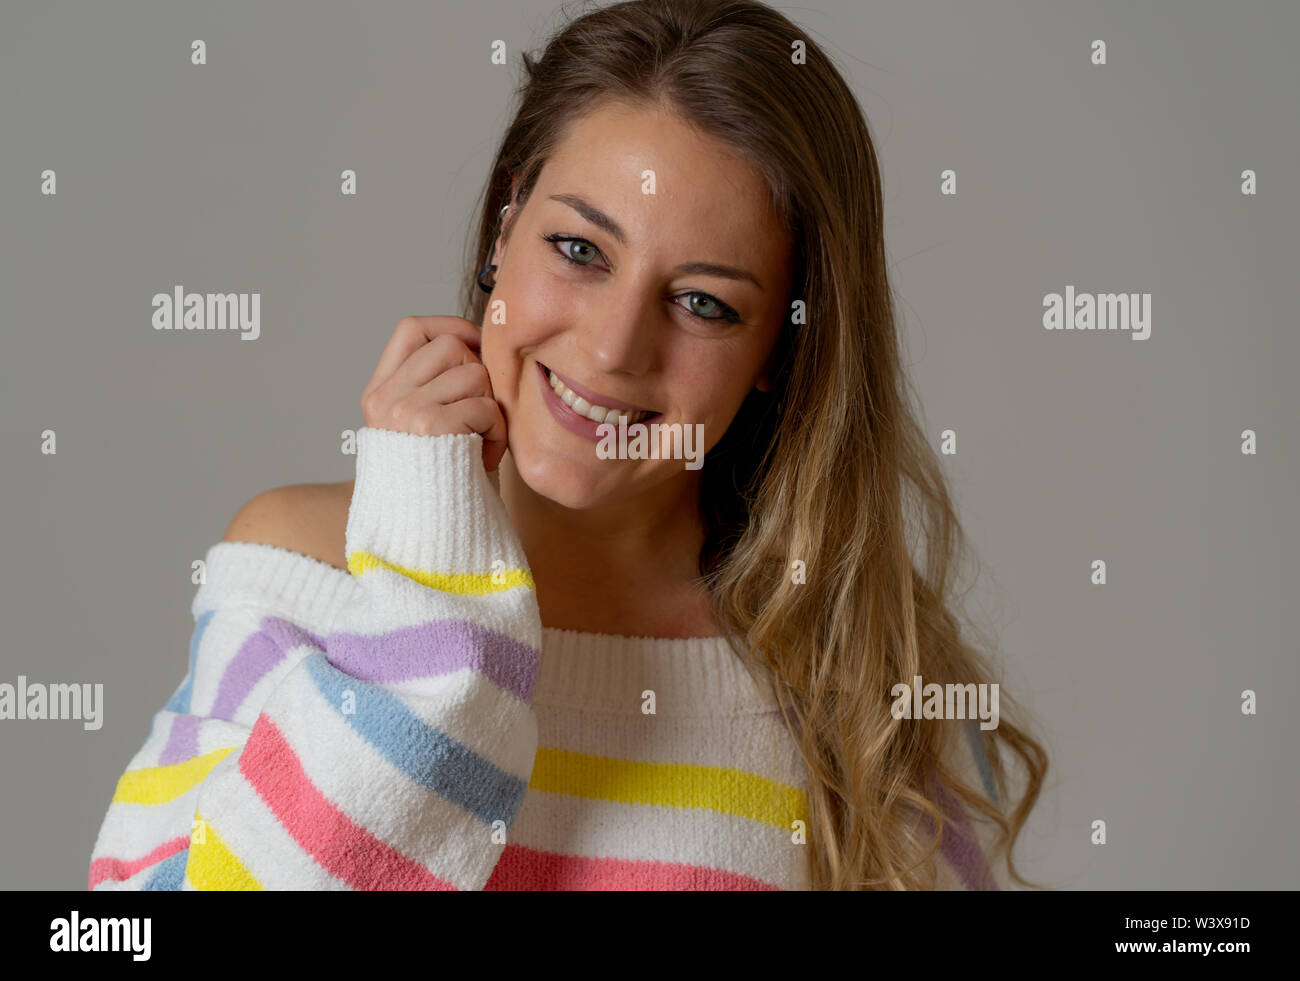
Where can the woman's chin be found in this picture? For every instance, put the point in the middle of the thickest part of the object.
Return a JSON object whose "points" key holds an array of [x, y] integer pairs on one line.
{"points": [[578, 484]]}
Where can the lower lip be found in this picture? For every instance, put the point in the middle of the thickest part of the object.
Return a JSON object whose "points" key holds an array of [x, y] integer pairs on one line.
{"points": [[566, 417]]}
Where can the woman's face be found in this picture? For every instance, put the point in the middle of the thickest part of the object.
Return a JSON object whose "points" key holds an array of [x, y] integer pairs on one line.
{"points": [[669, 302]]}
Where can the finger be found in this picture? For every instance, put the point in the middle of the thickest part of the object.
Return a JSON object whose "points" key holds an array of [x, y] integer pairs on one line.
{"points": [[484, 416], [443, 354], [411, 334], [467, 381]]}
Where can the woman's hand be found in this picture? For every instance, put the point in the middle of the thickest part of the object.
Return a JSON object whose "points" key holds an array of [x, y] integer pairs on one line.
{"points": [[430, 382]]}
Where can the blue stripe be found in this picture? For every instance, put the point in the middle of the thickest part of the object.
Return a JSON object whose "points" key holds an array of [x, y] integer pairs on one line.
{"points": [[976, 738], [168, 874], [180, 702], [429, 757]]}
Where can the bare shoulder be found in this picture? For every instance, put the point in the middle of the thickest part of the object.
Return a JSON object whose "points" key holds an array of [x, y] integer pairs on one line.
{"points": [[310, 519]]}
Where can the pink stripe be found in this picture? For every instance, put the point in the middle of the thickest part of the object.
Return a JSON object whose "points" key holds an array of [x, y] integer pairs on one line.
{"points": [[118, 869], [341, 846], [523, 868]]}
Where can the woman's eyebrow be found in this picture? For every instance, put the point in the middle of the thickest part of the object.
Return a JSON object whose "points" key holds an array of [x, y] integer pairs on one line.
{"points": [[593, 214], [607, 224]]}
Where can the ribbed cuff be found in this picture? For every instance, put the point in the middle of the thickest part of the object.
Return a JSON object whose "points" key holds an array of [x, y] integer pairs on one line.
{"points": [[425, 502]]}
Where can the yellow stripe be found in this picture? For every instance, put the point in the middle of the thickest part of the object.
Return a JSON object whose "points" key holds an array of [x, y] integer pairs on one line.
{"points": [[715, 788], [160, 784], [471, 583], [213, 867]]}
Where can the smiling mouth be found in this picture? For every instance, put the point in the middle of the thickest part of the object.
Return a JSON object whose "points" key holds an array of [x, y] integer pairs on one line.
{"points": [[607, 410]]}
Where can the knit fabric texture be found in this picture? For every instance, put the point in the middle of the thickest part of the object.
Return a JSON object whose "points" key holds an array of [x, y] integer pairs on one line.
{"points": [[409, 724]]}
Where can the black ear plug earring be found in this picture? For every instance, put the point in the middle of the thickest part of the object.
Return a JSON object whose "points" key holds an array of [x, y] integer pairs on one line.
{"points": [[483, 273]]}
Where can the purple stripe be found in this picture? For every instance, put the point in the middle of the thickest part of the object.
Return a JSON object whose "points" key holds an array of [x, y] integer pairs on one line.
{"points": [[960, 847], [182, 741], [259, 653], [435, 648]]}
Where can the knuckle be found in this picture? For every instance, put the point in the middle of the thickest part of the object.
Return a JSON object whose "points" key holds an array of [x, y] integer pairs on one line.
{"points": [[448, 343], [408, 416], [371, 403]]}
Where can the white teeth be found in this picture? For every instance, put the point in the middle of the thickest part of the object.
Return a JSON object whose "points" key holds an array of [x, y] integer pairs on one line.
{"points": [[596, 413]]}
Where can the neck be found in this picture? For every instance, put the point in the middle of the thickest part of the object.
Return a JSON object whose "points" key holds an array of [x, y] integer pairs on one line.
{"points": [[587, 563]]}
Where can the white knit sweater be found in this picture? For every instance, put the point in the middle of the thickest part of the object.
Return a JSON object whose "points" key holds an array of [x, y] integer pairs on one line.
{"points": [[409, 724]]}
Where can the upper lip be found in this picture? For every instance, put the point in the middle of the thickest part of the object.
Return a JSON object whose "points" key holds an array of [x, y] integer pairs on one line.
{"points": [[595, 398]]}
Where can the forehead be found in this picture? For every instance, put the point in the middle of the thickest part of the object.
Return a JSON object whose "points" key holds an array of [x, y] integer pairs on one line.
{"points": [[706, 196]]}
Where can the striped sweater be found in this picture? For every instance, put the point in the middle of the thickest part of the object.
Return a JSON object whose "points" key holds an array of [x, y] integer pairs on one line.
{"points": [[409, 724]]}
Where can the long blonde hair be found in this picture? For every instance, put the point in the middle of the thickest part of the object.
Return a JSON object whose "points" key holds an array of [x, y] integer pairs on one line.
{"points": [[830, 466]]}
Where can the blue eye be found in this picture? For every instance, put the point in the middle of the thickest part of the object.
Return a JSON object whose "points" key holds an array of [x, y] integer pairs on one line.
{"points": [[708, 299], [724, 312], [714, 305], [565, 252]]}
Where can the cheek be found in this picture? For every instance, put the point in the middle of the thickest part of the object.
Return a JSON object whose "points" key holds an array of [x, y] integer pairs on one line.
{"points": [[495, 356], [530, 307], [539, 300], [533, 305], [713, 385]]}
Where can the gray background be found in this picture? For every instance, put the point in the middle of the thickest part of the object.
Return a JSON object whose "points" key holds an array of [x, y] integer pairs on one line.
{"points": [[1072, 446]]}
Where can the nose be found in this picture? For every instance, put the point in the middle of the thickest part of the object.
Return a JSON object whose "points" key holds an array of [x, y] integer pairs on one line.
{"points": [[622, 331]]}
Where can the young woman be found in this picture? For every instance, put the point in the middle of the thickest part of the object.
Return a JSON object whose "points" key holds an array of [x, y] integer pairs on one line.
{"points": [[502, 657]]}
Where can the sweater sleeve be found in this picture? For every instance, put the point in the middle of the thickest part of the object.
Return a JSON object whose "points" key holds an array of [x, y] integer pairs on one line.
{"points": [[391, 750]]}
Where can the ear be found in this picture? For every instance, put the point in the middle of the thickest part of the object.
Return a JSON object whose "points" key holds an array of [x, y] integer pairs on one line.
{"points": [[510, 216]]}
